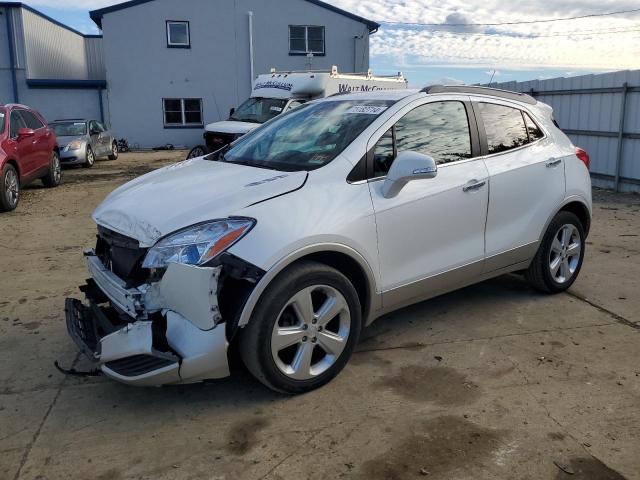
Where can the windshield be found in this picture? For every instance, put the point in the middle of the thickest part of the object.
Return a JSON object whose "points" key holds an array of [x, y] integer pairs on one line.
{"points": [[1, 120], [259, 110], [69, 129], [308, 137]]}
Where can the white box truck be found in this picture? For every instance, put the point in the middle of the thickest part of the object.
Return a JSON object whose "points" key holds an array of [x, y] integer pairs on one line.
{"points": [[277, 92]]}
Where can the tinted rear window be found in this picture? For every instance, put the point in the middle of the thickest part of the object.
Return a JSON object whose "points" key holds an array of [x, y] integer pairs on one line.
{"points": [[504, 127]]}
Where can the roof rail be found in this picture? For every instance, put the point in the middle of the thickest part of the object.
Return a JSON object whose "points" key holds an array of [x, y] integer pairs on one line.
{"points": [[520, 97]]}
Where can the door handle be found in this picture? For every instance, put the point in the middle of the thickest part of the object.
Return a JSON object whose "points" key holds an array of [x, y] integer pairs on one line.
{"points": [[553, 163], [474, 186]]}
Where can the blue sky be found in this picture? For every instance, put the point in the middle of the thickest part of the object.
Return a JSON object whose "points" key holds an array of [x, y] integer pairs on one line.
{"points": [[470, 54]]}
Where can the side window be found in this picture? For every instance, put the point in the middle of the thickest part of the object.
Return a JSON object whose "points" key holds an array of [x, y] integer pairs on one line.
{"points": [[383, 154], [30, 120], [438, 129], [92, 127], [16, 122], [504, 127], [99, 126], [534, 131]]}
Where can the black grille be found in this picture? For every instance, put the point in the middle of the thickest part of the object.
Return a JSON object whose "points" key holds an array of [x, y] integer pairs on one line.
{"points": [[215, 140], [122, 255], [138, 365]]}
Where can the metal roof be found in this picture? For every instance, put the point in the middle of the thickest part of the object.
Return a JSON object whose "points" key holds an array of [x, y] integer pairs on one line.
{"points": [[96, 15], [46, 17]]}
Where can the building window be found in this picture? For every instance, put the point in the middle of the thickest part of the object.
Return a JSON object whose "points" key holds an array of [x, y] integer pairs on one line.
{"points": [[305, 39], [178, 35], [182, 112]]}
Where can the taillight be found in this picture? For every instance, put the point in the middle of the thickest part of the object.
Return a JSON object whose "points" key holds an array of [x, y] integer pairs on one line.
{"points": [[583, 156]]}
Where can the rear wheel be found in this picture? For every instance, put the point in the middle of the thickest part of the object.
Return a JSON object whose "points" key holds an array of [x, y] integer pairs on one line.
{"points": [[9, 189], [559, 259], [114, 151], [54, 175], [303, 330], [90, 158]]}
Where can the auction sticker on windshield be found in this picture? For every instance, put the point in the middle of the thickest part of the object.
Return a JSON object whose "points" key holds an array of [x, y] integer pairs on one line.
{"points": [[367, 109]]}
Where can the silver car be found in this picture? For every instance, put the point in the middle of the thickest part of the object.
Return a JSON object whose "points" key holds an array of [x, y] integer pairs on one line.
{"points": [[81, 142]]}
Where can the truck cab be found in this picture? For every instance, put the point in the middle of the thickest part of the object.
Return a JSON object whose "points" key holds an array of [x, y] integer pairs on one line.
{"points": [[278, 92]]}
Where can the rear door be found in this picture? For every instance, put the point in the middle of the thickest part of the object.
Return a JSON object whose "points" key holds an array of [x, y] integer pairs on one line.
{"points": [[24, 148], [40, 140], [431, 235], [526, 180]]}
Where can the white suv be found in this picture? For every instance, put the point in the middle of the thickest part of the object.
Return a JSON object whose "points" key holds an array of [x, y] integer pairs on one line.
{"points": [[292, 239]]}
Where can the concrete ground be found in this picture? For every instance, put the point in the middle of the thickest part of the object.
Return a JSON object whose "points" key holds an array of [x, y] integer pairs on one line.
{"points": [[493, 381]]}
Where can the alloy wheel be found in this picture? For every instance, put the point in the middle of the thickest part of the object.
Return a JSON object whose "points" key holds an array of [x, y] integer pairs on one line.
{"points": [[90, 157], [311, 332], [196, 152], [564, 257], [11, 187]]}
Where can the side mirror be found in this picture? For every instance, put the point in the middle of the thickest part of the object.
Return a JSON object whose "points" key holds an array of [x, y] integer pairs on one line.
{"points": [[94, 132], [406, 167], [25, 133], [231, 112]]}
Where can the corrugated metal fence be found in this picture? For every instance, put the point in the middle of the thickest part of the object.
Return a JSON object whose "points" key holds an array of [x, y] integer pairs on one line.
{"points": [[600, 113]]}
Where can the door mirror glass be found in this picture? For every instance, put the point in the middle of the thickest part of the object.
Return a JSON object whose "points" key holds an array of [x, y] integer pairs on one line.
{"points": [[25, 132], [408, 166], [231, 112]]}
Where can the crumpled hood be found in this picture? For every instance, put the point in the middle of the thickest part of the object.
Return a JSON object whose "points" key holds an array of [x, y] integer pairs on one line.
{"points": [[230, 126], [186, 193]]}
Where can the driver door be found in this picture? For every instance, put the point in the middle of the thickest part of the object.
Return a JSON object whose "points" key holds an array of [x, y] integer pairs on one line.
{"points": [[431, 235]]}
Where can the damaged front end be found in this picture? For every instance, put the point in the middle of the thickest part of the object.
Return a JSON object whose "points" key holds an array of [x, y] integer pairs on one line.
{"points": [[157, 326]]}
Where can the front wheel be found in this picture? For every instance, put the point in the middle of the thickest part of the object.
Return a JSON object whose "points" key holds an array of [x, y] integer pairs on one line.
{"points": [[54, 175], [114, 151], [90, 158], [197, 151], [9, 189], [559, 259], [303, 330]]}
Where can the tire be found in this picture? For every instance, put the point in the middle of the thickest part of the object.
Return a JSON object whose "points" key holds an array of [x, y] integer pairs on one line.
{"points": [[560, 255], [54, 175], [114, 151], [90, 158], [9, 189], [197, 151], [280, 337]]}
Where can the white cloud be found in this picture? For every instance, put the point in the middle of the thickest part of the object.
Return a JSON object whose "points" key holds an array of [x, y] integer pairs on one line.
{"points": [[540, 45]]}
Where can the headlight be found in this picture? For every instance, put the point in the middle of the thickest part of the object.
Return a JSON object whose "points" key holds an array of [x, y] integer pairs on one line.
{"points": [[198, 244], [75, 145]]}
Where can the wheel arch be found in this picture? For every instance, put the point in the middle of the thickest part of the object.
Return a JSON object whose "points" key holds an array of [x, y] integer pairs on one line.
{"points": [[580, 210], [14, 164], [576, 205], [344, 259]]}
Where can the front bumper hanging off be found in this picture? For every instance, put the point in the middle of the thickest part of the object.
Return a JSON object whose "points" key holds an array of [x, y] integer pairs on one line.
{"points": [[156, 334]]}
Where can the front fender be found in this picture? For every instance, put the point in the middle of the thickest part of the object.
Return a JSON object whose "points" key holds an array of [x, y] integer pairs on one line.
{"points": [[282, 264]]}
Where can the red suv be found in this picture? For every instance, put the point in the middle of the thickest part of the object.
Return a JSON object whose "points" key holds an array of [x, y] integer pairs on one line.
{"points": [[28, 151]]}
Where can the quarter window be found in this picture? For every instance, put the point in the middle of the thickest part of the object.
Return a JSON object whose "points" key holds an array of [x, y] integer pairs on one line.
{"points": [[178, 34], [182, 112], [438, 129], [504, 127], [534, 131], [304, 39]]}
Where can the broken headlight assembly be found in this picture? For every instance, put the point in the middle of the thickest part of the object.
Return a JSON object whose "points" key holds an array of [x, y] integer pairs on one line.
{"points": [[198, 244]]}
